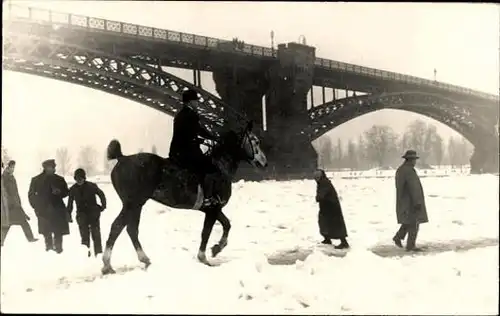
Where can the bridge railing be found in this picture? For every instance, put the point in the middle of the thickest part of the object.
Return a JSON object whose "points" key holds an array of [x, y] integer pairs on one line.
{"points": [[98, 24], [74, 20], [337, 65]]}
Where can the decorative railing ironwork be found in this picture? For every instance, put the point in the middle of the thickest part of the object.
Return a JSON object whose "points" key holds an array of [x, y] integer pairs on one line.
{"points": [[103, 25]]}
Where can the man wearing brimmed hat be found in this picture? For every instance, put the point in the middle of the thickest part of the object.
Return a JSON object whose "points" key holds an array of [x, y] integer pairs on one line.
{"points": [[185, 148], [46, 194], [410, 202]]}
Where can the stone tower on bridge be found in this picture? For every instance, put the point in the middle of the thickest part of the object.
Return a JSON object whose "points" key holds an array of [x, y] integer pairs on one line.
{"points": [[284, 85], [286, 109]]}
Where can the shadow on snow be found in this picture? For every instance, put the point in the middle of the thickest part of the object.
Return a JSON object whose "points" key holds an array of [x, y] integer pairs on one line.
{"points": [[431, 248]]}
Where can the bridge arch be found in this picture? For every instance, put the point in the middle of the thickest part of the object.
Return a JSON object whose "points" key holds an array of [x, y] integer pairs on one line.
{"points": [[458, 116], [48, 57], [478, 128]]}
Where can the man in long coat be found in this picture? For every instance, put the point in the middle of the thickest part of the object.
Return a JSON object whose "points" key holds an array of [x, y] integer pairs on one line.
{"points": [[185, 148], [410, 202], [46, 194], [330, 218], [15, 214]]}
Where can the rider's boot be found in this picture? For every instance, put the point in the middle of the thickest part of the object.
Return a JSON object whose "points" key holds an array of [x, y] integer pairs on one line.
{"points": [[208, 189]]}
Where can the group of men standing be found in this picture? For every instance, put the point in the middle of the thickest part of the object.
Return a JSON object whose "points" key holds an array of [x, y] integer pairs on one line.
{"points": [[46, 196]]}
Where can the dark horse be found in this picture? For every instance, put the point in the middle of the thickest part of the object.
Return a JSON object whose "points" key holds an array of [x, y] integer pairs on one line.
{"points": [[140, 177]]}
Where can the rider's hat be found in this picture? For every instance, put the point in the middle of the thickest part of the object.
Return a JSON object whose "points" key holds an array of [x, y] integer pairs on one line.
{"points": [[189, 95]]}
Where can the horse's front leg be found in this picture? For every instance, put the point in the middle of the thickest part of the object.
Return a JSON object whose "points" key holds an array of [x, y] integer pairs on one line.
{"points": [[226, 227], [208, 224]]}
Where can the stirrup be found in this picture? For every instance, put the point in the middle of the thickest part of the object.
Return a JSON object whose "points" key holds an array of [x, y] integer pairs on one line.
{"points": [[213, 200]]}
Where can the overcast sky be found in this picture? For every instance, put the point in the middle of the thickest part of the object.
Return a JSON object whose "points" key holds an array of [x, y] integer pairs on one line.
{"points": [[460, 40]]}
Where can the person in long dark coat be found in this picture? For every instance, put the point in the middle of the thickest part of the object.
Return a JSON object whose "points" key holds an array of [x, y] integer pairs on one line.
{"points": [[330, 218], [46, 193], [4, 210], [88, 212], [185, 146], [16, 214], [410, 202]]}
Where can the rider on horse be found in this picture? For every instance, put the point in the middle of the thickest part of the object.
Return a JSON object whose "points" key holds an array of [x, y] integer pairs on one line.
{"points": [[185, 148]]}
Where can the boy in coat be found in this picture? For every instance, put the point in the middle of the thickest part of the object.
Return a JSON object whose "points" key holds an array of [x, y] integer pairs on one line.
{"points": [[88, 212]]}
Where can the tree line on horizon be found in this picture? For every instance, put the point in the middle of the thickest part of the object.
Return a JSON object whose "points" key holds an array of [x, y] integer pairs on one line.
{"points": [[378, 147], [87, 158], [381, 147]]}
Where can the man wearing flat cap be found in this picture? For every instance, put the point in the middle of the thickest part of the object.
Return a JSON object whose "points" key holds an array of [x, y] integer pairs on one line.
{"points": [[410, 202], [46, 194]]}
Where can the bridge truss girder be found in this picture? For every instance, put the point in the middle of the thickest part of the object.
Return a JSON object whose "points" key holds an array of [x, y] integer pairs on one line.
{"points": [[131, 79], [462, 117]]}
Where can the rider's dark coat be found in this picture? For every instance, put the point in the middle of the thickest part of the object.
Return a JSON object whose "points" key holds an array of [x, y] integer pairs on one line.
{"points": [[185, 146]]}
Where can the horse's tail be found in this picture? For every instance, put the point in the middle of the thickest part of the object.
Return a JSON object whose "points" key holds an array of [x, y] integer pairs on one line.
{"points": [[114, 150]]}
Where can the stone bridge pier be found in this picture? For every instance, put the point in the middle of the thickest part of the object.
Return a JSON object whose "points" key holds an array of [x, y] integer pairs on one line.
{"points": [[285, 86], [485, 158]]}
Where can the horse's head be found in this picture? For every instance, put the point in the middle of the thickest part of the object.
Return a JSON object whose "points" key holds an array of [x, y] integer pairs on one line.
{"points": [[251, 148], [246, 145]]}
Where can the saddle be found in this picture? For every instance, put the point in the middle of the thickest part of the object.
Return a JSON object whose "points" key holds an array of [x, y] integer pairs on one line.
{"points": [[181, 188]]}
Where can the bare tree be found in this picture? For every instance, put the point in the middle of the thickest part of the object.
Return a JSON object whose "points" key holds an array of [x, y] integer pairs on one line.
{"points": [[352, 155], [381, 144], [459, 151], [362, 159], [325, 152], [415, 137], [452, 152], [141, 150], [434, 145], [338, 156], [42, 155], [63, 160], [108, 164], [154, 150], [5, 155], [87, 159]]}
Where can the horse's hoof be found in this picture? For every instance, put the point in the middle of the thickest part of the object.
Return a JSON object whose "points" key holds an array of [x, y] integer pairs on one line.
{"points": [[216, 249], [107, 270], [203, 259], [147, 264]]}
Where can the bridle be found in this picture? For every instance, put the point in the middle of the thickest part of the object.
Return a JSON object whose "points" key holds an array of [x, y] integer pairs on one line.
{"points": [[245, 134]]}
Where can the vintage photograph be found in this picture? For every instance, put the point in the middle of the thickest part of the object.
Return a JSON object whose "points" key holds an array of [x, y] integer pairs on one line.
{"points": [[205, 157]]}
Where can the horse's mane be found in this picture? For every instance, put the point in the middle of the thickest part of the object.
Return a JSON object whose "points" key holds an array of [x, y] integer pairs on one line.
{"points": [[228, 143]]}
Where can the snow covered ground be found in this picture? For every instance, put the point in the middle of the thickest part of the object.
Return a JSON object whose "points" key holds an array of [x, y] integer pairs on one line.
{"points": [[269, 219]]}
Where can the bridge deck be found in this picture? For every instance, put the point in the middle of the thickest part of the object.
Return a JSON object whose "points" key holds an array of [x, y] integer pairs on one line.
{"points": [[327, 72]]}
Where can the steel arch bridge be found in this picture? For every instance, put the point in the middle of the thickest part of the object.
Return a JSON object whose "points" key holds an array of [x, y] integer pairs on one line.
{"points": [[37, 52], [478, 124], [466, 119], [53, 58]]}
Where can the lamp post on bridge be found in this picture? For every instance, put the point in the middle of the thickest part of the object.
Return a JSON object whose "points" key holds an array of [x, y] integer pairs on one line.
{"points": [[435, 73], [272, 41]]}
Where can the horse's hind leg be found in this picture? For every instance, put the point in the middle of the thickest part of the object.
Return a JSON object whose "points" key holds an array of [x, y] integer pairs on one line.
{"points": [[226, 226], [133, 232], [116, 229], [208, 224]]}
